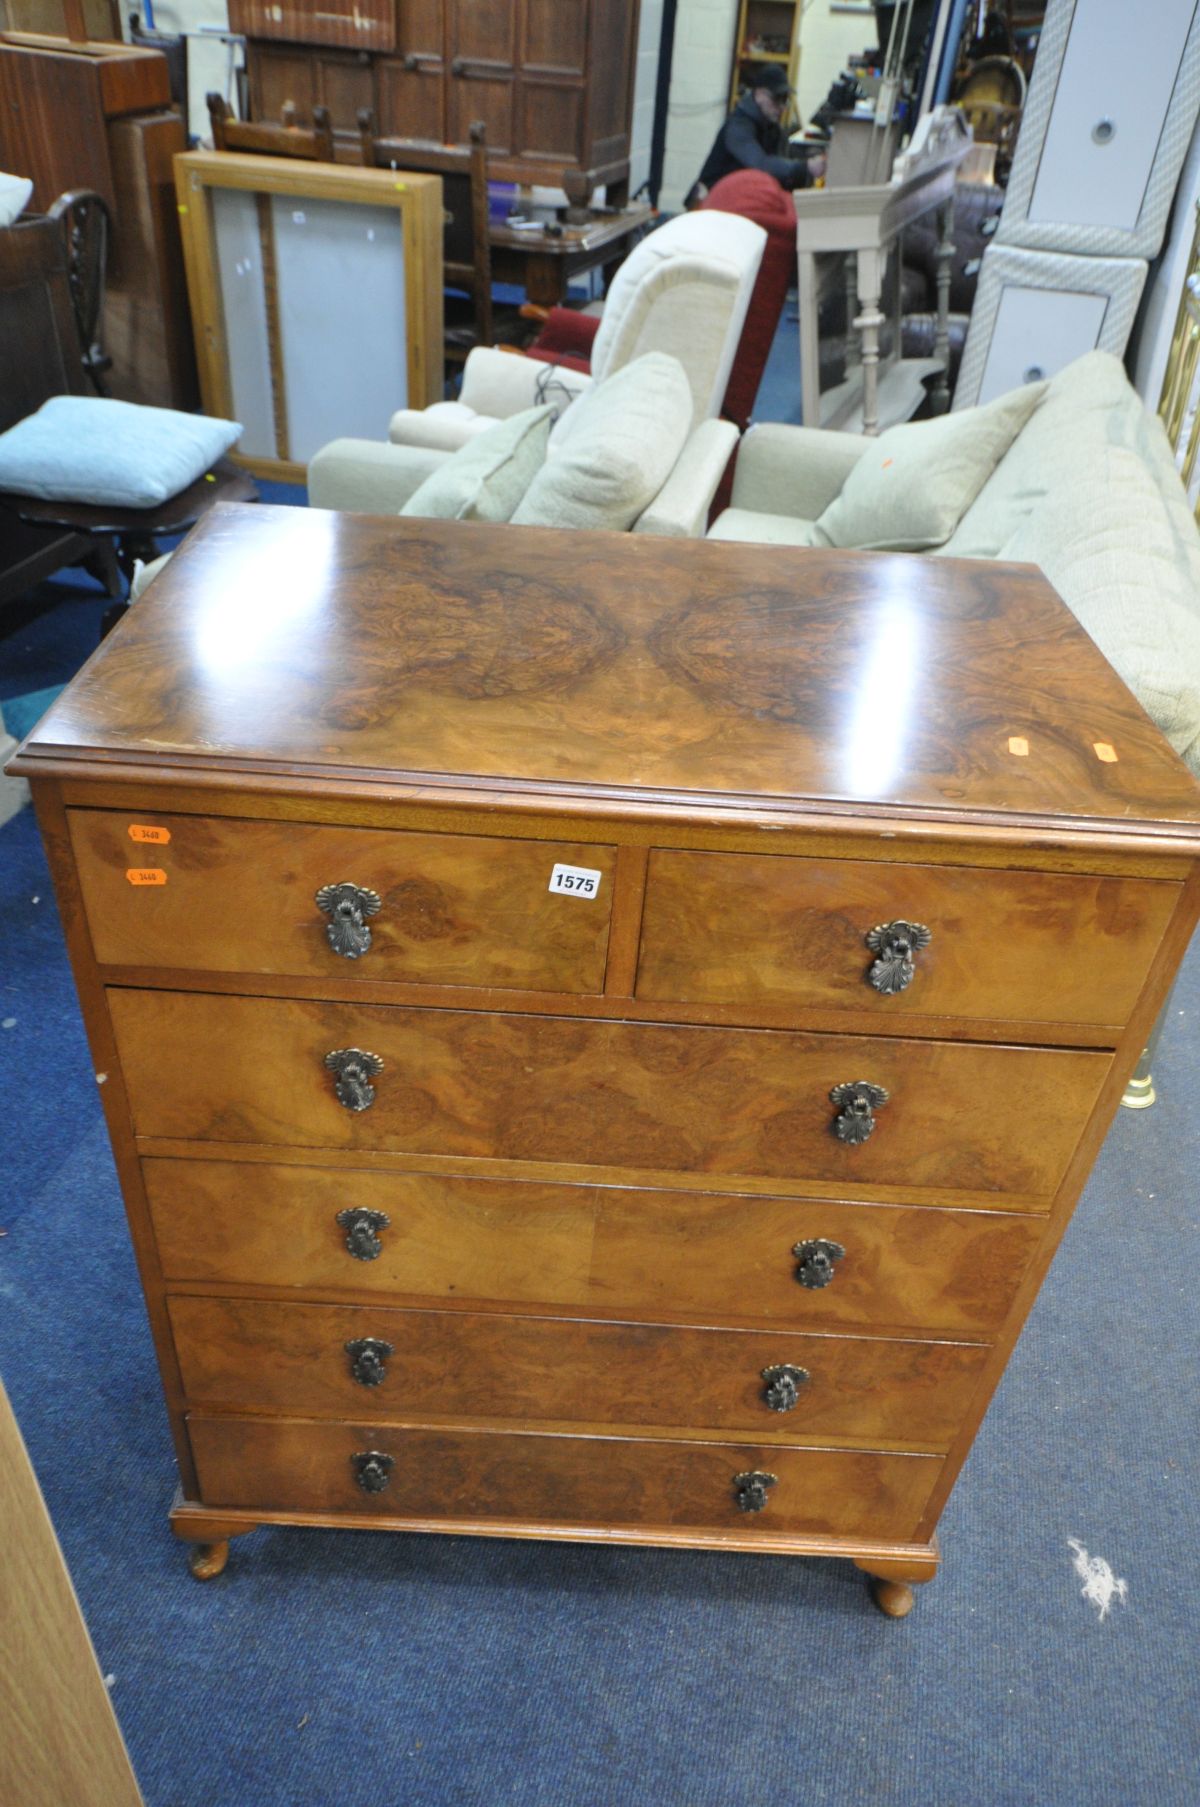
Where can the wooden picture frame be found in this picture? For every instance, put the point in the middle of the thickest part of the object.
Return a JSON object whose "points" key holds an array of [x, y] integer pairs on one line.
{"points": [[316, 299]]}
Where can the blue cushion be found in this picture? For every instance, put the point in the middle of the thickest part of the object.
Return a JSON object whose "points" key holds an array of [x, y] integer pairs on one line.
{"points": [[83, 448]]}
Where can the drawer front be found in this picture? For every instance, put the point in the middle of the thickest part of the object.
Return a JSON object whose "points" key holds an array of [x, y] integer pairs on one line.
{"points": [[981, 1120], [329, 1360], [596, 1248], [536, 1481], [1020, 946], [241, 897]]}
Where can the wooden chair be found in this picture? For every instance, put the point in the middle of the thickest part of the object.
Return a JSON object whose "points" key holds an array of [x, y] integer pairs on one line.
{"points": [[313, 144], [467, 254], [41, 356]]}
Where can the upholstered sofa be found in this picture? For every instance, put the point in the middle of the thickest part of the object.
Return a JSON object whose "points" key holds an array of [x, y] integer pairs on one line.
{"points": [[1087, 490], [627, 455]]}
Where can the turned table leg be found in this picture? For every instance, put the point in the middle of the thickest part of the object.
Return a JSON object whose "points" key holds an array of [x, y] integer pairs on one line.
{"points": [[941, 344], [868, 322]]}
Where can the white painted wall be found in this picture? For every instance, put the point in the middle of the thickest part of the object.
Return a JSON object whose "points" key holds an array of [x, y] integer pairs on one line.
{"points": [[704, 32], [644, 83], [829, 35]]}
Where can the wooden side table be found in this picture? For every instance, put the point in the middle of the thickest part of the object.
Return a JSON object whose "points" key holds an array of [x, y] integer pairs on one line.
{"points": [[545, 263]]}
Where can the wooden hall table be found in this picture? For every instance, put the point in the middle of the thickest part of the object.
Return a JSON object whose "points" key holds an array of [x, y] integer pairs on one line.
{"points": [[864, 223], [602, 1036], [545, 266]]}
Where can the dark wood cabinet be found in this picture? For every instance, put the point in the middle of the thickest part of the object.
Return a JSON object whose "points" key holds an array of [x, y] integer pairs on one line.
{"points": [[552, 80], [99, 116]]}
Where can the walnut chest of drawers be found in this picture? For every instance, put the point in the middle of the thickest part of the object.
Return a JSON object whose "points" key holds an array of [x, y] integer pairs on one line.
{"points": [[601, 1036]]}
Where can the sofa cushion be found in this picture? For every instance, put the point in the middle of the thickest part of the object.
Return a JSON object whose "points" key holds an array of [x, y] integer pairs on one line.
{"points": [[762, 529], [485, 479], [1082, 406], [1100, 508], [611, 452], [911, 489], [85, 448]]}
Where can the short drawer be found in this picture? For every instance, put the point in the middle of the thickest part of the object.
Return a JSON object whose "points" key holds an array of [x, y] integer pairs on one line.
{"points": [[325, 1360], [531, 1479], [232, 896], [991, 1121], [1018, 946], [601, 1249]]}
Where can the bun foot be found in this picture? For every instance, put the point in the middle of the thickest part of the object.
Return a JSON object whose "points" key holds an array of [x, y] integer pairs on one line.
{"points": [[893, 1578], [207, 1560], [895, 1598]]}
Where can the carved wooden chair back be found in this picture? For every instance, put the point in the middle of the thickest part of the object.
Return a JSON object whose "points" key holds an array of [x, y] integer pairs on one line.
{"points": [[39, 340], [466, 248], [84, 220], [313, 144]]}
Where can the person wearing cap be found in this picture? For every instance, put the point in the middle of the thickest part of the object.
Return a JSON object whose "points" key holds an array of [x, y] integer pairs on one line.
{"points": [[752, 138]]}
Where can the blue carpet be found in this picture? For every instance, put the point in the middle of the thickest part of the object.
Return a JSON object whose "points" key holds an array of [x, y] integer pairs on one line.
{"points": [[356, 1670], [20, 713]]}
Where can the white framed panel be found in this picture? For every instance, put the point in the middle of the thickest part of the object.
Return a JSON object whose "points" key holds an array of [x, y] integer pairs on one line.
{"points": [[244, 306], [1036, 312], [1113, 100], [316, 296], [340, 292]]}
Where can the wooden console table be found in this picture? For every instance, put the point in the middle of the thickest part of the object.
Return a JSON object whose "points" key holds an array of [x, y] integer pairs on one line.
{"points": [[602, 1035], [864, 223]]}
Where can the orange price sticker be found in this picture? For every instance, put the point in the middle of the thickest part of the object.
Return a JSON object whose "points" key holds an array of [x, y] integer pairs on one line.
{"points": [[1104, 753], [146, 875], [140, 831]]}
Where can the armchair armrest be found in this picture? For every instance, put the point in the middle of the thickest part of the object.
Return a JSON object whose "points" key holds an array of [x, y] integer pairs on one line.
{"points": [[367, 476], [680, 509], [794, 471]]}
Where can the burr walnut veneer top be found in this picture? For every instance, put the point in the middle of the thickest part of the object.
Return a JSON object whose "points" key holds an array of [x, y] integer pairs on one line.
{"points": [[589, 671]]}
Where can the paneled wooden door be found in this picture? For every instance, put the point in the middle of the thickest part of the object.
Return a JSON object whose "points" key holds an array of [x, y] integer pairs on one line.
{"points": [[482, 39]]}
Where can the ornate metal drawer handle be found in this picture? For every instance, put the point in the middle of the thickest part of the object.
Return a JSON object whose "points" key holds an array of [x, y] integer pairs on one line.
{"points": [[894, 944], [353, 1070], [372, 1469], [854, 1102], [368, 1360], [783, 1386], [750, 1489], [815, 1261], [362, 1229], [347, 907]]}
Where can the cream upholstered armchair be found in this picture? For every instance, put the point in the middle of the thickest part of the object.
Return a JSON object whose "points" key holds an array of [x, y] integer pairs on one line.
{"points": [[683, 290]]}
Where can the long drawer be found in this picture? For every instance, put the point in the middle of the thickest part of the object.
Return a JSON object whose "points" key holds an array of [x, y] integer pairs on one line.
{"points": [[723, 928], [219, 895], [603, 1249], [998, 1121], [262, 1356], [297, 1465]]}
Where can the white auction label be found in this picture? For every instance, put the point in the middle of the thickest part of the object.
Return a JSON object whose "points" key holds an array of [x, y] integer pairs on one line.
{"points": [[576, 881]]}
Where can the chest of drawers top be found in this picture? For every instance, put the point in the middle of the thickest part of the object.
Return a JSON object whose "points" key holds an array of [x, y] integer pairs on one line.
{"points": [[621, 677]]}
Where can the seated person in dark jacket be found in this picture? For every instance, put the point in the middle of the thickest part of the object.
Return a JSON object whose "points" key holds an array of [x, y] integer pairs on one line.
{"points": [[752, 138]]}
